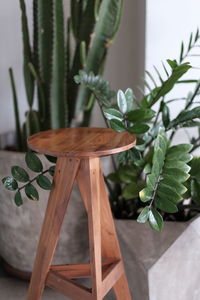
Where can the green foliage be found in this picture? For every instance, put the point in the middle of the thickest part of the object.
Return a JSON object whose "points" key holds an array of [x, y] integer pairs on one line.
{"points": [[50, 62], [20, 175], [152, 180]]}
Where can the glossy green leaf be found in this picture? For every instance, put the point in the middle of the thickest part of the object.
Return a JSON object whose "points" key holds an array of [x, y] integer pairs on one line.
{"points": [[178, 187], [177, 149], [18, 199], [151, 181], [145, 194], [144, 215], [121, 101], [19, 174], [178, 164], [117, 125], [112, 113], [168, 192], [130, 191], [129, 99], [10, 183], [155, 220], [44, 182], [33, 162], [181, 176], [166, 205], [31, 192], [139, 128], [141, 115]]}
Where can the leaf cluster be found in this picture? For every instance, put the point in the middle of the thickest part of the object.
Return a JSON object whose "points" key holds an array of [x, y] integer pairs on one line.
{"points": [[20, 179]]}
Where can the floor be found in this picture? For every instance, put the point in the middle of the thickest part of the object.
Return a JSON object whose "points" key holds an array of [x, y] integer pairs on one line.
{"points": [[15, 289]]}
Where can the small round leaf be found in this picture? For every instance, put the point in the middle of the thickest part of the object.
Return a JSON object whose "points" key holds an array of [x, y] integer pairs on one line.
{"points": [[10, 183], [33, 162], [44, 182], [18, 199], [31, 192], [19, 174]]}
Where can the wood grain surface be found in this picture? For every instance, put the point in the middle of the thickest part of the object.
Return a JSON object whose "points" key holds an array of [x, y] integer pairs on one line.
{"points": [[81, 142]]}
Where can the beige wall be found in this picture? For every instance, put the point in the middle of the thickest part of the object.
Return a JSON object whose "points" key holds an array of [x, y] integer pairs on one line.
{"points": [[125, 62]]}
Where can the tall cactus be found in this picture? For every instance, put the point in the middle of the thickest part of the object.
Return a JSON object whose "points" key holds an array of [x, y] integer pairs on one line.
{"points": [[58, 94], [50, 64]]}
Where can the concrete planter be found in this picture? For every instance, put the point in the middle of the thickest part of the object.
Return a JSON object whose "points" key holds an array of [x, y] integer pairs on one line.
{"points": [[162, 266], [20, 227]]}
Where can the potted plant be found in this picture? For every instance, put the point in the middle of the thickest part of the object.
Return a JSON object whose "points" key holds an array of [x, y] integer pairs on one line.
{"points": [[157, 181], [50, 62]]}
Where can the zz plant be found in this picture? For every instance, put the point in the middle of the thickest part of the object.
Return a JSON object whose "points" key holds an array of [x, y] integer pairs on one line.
{"points": [[156, 180]]}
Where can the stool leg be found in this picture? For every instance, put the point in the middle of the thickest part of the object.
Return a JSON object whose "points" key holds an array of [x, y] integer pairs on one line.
{"points": [[110, 245], [65, 173], [88, 182]]}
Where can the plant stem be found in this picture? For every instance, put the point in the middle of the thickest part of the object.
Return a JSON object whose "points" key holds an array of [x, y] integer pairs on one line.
{"points": [[33, 179]]}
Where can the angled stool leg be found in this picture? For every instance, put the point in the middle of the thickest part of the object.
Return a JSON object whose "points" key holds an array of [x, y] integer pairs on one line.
{"points": [[88, 182], [110, 244], [65, 173]]}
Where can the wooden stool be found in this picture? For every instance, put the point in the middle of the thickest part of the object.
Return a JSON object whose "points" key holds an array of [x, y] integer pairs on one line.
{"points": [[78, 151]]}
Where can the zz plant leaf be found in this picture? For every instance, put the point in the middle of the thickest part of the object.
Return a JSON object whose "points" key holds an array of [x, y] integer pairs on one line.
{"points": [[44, 182], [19, 174], [10, 183], [164, 184], [33, 162], [31, 192]]}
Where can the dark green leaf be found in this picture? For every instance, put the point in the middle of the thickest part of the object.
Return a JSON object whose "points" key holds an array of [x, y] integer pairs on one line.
{"points": [[117, 125], [165, 115], [172, 63], [10, 183], [141, 115], [31, 192], [144, 215], [130, 191], [52, 159], [44, 182], [18, 199], [114, 177], [33, 162], [166, 205], [139, 128], [155, 220], [19, 174]]}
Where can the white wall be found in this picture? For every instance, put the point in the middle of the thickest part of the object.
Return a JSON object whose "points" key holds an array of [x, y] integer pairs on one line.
{"points": [[125, 62], [168, 23]]}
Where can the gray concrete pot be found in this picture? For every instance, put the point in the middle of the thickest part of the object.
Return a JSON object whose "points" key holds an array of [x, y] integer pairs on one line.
{"points": [[20, 226], [161, 266]]}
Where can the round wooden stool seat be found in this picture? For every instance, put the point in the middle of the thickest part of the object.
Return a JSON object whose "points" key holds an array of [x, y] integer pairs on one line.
{"points": [[81, 142]]}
